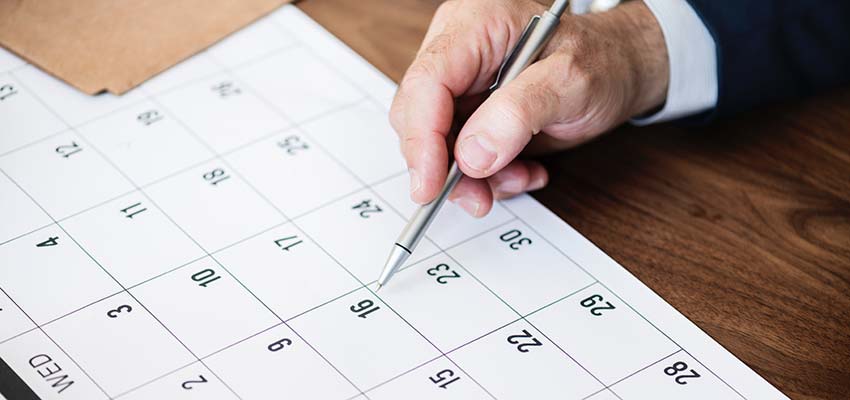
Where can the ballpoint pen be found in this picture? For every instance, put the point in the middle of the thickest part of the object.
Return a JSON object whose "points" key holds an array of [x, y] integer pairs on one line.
{"points": [[527, 49]]}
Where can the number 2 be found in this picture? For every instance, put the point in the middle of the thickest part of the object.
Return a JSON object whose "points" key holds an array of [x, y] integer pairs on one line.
{"points": [[188, 384], [292, 144], [67, 150], [7, 91], [522, 344]]}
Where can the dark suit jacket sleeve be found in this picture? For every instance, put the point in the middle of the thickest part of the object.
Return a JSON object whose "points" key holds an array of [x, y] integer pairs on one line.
{"points": [[771, 50]]}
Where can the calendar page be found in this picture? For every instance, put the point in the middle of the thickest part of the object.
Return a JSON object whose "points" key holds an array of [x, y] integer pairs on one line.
{"points": [[217, 233]]}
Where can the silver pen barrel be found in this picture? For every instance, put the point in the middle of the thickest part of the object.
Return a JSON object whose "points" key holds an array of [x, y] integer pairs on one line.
{"points": [[525, 52]]}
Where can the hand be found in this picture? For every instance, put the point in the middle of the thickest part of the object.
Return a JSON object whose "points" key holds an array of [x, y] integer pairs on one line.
{"points": [[596, 72]]}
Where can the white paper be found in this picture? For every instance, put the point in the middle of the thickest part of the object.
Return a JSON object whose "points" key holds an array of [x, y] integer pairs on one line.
{"points": [[217, 232]]}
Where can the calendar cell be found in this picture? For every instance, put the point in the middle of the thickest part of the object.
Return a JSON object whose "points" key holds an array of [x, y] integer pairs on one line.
{"points": [[302, 90], [64, 175], [287, 271], [13, 321], [676, 377], [9, 61], [72, 106], [222, 111], [445, 303], [439, 379], [361, 129], [278, 361], [261, 38], [290, 162], [23, 118], [46, 369], [118, 343], [17, 211], [197, 67], [328, 47], [48, 275], [359, 330], [518, 362], [132, 239], [204, 306], [520, 267], [452, 225], [364, 230], [605, 335], [214, 205], [130, 136], [194, 382]]}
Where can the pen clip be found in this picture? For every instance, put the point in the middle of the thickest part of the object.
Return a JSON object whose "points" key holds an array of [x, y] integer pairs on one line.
{"points": [[512, 55]]}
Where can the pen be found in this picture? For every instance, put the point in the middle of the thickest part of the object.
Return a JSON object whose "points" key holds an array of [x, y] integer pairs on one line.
{"points": [[527, 49]]}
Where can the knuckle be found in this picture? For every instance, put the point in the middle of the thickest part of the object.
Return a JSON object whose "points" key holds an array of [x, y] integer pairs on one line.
{"points": [[446, 8], [518, 110]]}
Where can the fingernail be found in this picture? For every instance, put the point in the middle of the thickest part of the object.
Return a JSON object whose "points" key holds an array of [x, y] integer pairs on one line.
{"points": [[510, 186], [537, 184], [478, 152], [469, 205], [415, 181]]}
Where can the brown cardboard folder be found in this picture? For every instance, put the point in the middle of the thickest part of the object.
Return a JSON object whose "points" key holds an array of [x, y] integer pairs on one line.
{"points": [[114, 45]]}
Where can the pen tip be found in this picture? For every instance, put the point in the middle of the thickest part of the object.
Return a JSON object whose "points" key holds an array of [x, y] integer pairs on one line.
{"points": [[378, 288]]}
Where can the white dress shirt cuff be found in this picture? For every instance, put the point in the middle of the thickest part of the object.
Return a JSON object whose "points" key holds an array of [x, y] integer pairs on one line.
{"points": [[693, 62]]}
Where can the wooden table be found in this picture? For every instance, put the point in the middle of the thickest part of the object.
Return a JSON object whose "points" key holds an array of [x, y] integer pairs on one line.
{"points": [[743, 226]]}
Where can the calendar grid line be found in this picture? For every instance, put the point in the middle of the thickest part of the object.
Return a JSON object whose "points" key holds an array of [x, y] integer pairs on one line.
{"points": [[147, 93], [523, 317], [124, 289], [629, 305], [365, 186], [368, 187], [490, 332], [280, 212], [420, 365], [355, 84], [22, 310], [365, 90], [610, 386], [339, 73], [604, 389], [152, 380], [390, 206]]}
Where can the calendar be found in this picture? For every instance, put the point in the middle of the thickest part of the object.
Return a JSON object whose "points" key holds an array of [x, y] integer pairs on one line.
{"points": [[217, 233]]}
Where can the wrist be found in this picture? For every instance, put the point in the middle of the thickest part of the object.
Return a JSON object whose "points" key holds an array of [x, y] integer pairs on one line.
{"points": [[648, 67]]}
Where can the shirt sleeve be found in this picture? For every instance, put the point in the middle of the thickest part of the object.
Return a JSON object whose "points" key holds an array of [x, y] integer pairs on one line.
{"points": [[692, 54]]}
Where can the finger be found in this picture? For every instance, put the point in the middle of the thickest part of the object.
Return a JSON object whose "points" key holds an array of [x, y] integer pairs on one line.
{"points": [[496, 133], [446, 66], [519, 176], [473, 196]]}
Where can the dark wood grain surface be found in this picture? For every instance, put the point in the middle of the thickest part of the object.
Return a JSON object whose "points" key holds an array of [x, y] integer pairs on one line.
{"points": [[743, 225]]}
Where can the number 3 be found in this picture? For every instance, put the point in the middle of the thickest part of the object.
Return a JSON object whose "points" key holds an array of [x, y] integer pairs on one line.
{"points": [[122, 308]]}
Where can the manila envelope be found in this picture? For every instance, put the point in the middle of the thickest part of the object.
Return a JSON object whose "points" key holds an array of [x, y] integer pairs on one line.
{"points": [[114, 45]]}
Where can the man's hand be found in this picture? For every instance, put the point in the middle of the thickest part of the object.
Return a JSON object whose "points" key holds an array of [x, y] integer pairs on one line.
{"points": [[596, 72]]}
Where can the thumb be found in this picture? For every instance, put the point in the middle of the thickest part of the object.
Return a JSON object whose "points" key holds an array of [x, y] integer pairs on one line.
{"points": [[501, 127]]}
